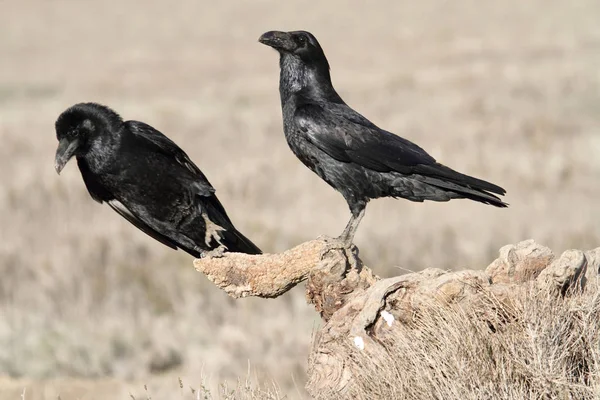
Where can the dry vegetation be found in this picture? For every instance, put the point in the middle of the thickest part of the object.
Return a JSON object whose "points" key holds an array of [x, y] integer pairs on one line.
{"points": [[525, 328], [505, 90], [548, 351]]}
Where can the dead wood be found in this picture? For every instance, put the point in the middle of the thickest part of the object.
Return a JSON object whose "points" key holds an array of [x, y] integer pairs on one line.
{"points": [[360, 309]]}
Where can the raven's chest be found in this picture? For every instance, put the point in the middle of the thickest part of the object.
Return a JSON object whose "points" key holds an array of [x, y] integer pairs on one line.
{"points": [[298, 141], [301, 147]]}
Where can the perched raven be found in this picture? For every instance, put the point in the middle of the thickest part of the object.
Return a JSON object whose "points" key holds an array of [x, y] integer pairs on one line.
{"points": [[349, 152], [147, 179]]}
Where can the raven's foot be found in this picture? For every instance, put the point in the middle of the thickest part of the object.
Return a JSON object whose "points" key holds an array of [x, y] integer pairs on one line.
{"points": [[215, 253], [332, 244]]}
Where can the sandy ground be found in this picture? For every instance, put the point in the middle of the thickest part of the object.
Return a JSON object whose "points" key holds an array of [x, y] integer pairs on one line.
{"points": [[508, 91]]}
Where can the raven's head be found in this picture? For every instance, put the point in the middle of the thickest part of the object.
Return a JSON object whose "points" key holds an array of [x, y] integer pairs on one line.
{"points": [[77, 127], [300, 44]]}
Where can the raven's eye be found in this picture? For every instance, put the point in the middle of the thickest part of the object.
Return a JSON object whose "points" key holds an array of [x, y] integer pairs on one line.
{"points": [[302, 40]]}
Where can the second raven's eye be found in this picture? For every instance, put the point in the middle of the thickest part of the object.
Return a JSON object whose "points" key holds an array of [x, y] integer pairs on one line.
{"points": [[302, 40]]}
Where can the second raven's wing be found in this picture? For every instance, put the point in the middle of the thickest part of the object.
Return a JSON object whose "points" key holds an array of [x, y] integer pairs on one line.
{"points": [[347, 136]]}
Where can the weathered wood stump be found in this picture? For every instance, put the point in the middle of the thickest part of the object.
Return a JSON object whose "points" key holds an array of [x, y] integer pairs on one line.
{"points": [[363, 315]]}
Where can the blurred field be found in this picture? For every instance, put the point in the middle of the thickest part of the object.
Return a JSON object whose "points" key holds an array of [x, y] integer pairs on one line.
{"points": [[508, 91]]}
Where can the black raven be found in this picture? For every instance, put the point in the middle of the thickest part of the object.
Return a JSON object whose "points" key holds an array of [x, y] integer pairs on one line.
{"points": [[147, 179], [349, 152]]}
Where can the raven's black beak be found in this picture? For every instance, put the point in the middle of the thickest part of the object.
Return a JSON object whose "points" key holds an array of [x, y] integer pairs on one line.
{"points": [[278, 40], [66, 149]]}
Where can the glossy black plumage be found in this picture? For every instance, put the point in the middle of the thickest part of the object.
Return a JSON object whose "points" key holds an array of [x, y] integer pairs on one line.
{"points": [[349, 152], [147, 179]]}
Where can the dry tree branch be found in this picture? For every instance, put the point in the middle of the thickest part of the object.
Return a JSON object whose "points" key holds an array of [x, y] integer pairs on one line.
{"points": [[265, 275]]}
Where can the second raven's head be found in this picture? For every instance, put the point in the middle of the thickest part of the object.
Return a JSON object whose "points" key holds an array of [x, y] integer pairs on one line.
{"points": [[300, 44], [78, 127]]}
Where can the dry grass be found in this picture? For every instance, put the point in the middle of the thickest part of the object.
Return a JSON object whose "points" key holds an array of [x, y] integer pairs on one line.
{"points": [[541, 347], [504, 90], [160, 388]]}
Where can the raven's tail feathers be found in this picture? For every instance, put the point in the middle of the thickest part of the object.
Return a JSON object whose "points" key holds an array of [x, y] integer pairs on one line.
{"points": [[230, 237], [238, 243], [463, 185]]}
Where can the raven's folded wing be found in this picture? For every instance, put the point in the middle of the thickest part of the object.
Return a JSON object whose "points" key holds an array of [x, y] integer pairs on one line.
{"points": [[141, 225], [166, 146], [200, 184], [347, 136]]}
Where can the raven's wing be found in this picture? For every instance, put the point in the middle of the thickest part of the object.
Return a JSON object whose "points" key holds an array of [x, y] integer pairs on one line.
{"points": [[101, 194], [165, 145], [141, 225], [208, 201], [161, 143], [347, 136]]}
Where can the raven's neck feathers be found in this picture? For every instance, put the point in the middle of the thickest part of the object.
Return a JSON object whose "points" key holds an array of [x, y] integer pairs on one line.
{"points": [[312, 79]]}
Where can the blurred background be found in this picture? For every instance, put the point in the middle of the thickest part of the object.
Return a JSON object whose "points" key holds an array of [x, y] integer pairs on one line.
{"points": [[90, 307]]}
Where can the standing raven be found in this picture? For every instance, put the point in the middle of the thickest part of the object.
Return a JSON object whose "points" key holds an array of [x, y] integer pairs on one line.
{"points": [[349, 152], [147, 179]]}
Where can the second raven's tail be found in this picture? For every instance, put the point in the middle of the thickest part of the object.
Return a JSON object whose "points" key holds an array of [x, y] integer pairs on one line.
{"points": [[463, 185], [230, 237]]}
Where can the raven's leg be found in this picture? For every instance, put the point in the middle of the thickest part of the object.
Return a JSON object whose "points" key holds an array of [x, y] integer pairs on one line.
{"points": [[358, 213]]}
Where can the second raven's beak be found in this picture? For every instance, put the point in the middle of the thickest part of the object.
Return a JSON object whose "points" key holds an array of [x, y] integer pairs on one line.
{"points": [[281, 41], [66, 149]]}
